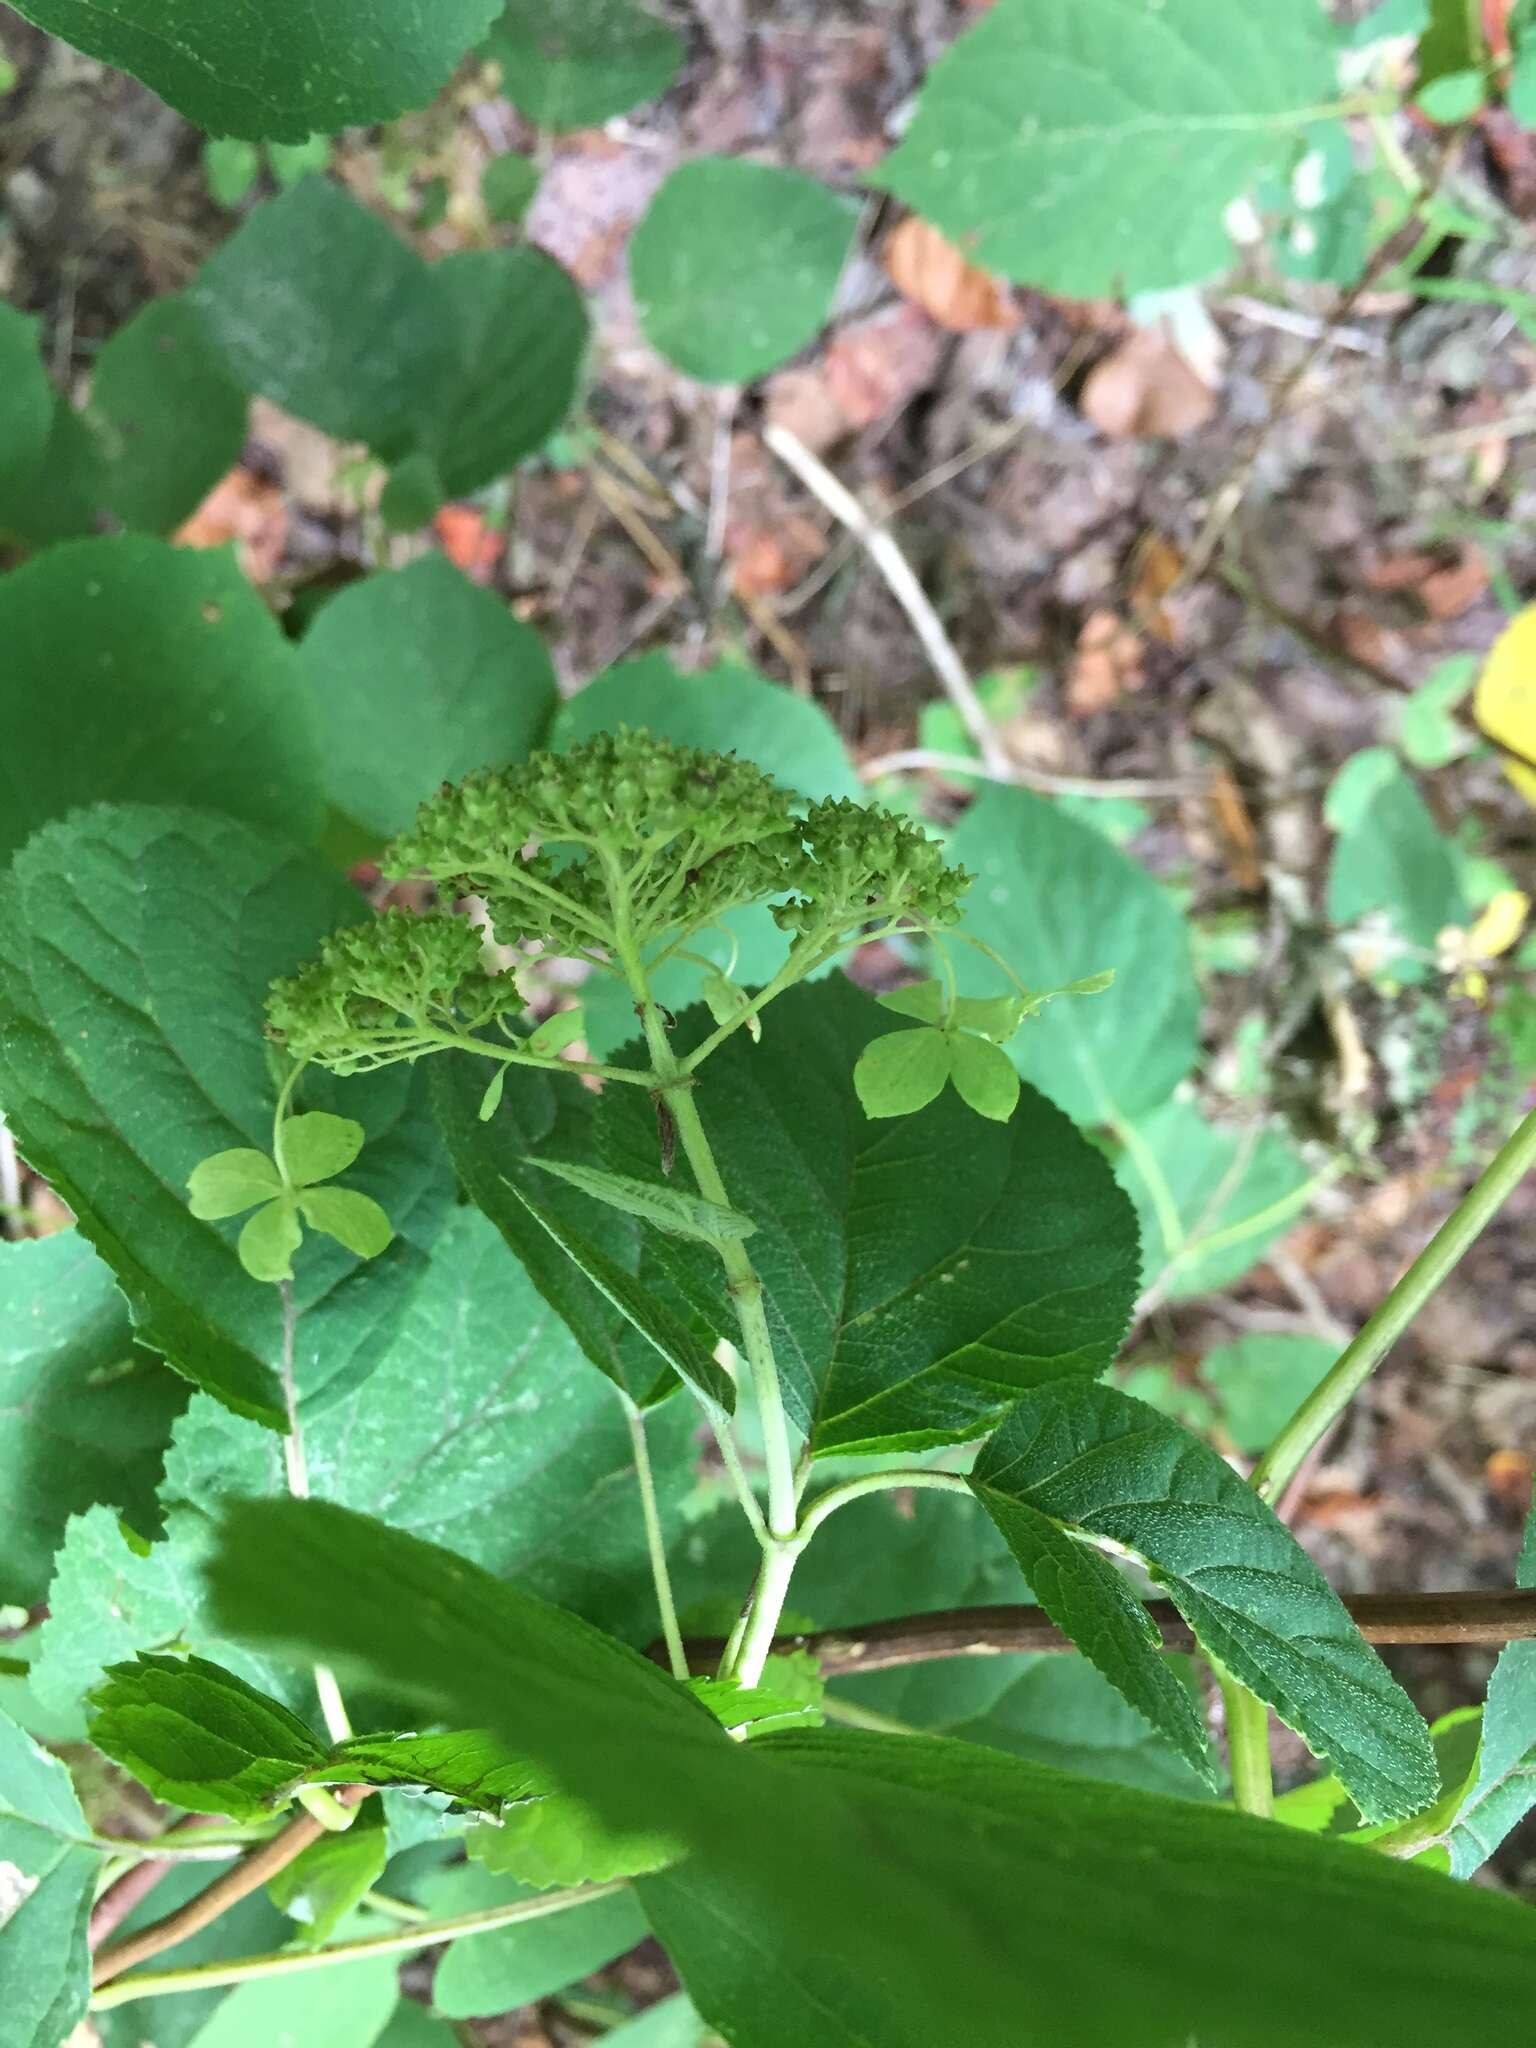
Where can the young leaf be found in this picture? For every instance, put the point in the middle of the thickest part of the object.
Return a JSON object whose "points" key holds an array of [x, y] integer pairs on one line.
{"points": [[1079, 1469], [268, 1242], [514, 1966], [285, 74], [902, 1072], [670, 1209], [785, 1925], [924, 1000], [199, 1737], [354, 1220], [918, 1276], [119, 1073], [1155, 119], [1057, 900], [598, 58], [48, 1873], [86, 1414], [317, 1146], [229, 1183], [735, 264], [673, 1341], [984, 1076], [320, 1887], [188, 653]]}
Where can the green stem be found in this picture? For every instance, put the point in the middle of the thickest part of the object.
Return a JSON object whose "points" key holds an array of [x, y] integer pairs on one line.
{"points": [[1455, 1237], [1247, 1716], [875, 1482], [655, 1541], [287, 1962]]}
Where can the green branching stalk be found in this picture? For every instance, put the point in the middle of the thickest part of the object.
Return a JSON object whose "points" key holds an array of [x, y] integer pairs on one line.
{"points": [[289, 1962], [1455, 1237]]}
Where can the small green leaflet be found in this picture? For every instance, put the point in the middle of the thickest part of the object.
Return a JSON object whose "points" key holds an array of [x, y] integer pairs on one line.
{"points": [[199, 1737], [646, 1312], [48, 1871], [1078, 1470], [668, 1208]]}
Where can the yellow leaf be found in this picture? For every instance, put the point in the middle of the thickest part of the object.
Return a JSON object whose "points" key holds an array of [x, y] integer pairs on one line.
{"points": [[1505, 703]]}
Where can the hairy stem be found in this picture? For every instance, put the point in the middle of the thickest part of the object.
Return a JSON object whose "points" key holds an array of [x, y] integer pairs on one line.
{"points": [[655, 1541], [1253, 1789], [1455, 1237], [332, 1707], [287, 1962]]}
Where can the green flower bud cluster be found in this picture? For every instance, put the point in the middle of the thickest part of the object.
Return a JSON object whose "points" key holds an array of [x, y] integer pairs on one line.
{"points": [[860, 863], [387, 990]]}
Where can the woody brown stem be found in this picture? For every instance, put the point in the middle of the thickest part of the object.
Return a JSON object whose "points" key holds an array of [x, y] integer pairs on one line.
{"points": [[1488, 1619]]}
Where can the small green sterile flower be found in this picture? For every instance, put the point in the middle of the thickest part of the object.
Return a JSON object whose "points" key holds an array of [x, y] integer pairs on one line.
{"points": [[860, 862], [388, 990], [311, 1147]]}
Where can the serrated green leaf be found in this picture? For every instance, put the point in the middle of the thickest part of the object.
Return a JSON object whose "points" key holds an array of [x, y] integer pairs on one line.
{"points": [[48, 1872], [918, 1276], [734, 266], [84, 1413], [1504, 1790], [902, 1072], [539, 1115], [26, 410], [199, 1737], [354, 1220], [674, 1343], [171, 418], [317, 1145], [598, 59], [984, 1076], [1060, 904], [317, 305], [1079, 1466], [670, 1209], [322, 1885], [285, 74], [781, 1923], [119, 1072], [508, 185], [924, 1000], [1095, 149], [269, 1240], [191, 661], [515, 1965], [1210, 1201], [229, 1183]]}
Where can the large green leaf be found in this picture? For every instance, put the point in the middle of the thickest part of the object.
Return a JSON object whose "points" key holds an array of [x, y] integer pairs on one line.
{"points": [[48, 1870], [136, 946], [1505, 1787], [420, 677], [918, 1276], [848, 1889], [1060, 903], [288, 71], [84, 1415], [529, 1960], [320, 307], [199, 1737], [595, 59], [1095, 148], [139, 671], [726, 708], [1078, 1470], [735, 264], [1210, 1201], [540, 1116]]}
